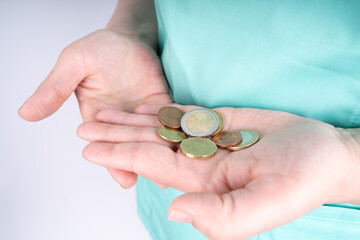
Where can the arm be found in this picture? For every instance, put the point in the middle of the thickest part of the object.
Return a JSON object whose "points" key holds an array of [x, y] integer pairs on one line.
{"points": [[351, 189], [135, 18]]}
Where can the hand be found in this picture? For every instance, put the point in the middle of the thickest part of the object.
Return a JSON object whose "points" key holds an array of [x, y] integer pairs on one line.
{"points": [[297, 165], [107, 71]]}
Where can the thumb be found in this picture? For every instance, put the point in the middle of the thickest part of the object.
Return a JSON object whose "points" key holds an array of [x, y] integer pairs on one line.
{"points": [[204, 211], [56, 88], [242, 213]]}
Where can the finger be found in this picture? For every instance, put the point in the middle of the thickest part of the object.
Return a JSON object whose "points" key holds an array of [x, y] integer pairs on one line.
{"points": [[124, 178], [150, 160], [243, 213], [263, 121], [153, 109], [56, 88], [124, 118], [104, 132], [135, 157]]}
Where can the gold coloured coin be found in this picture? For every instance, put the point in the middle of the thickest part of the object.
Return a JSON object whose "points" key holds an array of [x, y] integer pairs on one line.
{"points": [[227, 138], [171, 135], [221, 123], [249, 137], [200, 148], [170, 116]]}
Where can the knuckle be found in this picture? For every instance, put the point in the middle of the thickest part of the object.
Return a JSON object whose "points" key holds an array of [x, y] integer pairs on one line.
{"points": [[60, 92], [73, 54], [67, 52], [227, 203]]}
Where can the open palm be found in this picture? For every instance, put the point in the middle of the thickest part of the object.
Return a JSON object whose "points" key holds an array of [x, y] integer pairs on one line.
{"points": [[107, 71], [298, 165]]}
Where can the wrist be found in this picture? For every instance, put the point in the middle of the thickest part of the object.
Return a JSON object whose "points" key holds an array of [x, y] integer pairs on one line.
{"points": [[143, 36], [350, 192], [137, 19]]}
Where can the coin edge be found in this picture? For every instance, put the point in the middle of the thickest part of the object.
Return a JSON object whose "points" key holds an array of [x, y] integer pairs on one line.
{"points": [[251, 142], [195, 157]]}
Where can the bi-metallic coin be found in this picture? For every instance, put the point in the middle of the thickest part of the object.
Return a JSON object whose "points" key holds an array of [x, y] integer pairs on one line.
{"points": [[170, 116], [170, 134], [200, 148], [227, 138], [249, 137], [200, 122]]}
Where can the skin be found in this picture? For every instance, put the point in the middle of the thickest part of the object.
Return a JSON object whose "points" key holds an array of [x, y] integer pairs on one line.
{"points": [[298, 165], [286, 174], [107, 70]]}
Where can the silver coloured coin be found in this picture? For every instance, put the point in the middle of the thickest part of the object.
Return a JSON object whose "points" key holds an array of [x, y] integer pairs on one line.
{"points": [[199, 122], [249, 138]]}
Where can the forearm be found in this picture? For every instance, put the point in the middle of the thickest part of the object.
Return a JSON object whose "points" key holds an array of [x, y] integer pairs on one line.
{"points": [[351, 193], [135, 18]]}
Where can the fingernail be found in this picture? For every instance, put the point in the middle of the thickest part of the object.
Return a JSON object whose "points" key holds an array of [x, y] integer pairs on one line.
{"points": [[180, 216]]}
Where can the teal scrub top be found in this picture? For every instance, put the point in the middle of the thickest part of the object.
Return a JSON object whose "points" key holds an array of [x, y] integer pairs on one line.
{"points": [[301, 57]]}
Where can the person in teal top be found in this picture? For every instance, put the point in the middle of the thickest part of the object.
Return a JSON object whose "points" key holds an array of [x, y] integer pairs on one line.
{"points": [[299, 58]]}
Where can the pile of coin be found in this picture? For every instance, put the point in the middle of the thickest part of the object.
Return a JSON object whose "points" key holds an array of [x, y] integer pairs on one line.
{"points": [[200, 132]]}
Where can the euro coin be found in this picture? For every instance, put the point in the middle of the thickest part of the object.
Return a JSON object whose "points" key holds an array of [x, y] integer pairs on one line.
{"points": [[171, 135], [199, 122], [170, 116], [200, 148], [227, 138], [249, 137], [221, 123]]}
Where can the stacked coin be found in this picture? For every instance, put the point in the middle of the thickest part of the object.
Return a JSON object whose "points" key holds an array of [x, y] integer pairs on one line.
{"points": [[195, 128]]}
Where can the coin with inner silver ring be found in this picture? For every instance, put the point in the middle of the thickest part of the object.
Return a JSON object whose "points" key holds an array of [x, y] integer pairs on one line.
{"points": [[200, 122], [221, 123], [249, 137]]}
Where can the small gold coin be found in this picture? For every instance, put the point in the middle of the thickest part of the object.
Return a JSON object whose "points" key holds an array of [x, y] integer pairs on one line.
{"points": [[200, 148], [249, 137], [227, 138], [221, 123], [171, 135], [170, 116]]}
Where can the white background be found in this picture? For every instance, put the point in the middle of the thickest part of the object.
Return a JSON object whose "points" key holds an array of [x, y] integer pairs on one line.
{"points": [[47, 190]]}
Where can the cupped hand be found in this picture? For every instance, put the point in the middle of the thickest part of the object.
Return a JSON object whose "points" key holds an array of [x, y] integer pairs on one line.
{"points": [[107, 71], [297, 165]]}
